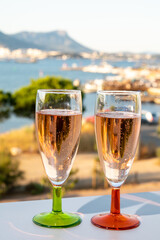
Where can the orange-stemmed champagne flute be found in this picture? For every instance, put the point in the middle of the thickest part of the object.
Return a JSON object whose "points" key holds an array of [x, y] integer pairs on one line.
{"points": [[117, 126]]}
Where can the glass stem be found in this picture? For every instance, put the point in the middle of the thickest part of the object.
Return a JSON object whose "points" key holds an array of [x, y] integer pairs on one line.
{"points": [[57, 199], [115, 201]]}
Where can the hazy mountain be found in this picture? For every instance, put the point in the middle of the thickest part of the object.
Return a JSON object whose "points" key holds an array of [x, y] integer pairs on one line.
{"points": [[55, 40], [13, 43]]}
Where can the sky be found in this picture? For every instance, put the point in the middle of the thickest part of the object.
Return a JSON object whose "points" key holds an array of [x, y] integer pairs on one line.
{"points": [[104, 25]]}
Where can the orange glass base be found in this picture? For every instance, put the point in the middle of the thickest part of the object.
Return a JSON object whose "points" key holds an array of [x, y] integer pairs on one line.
{"points": [[115, 221]]}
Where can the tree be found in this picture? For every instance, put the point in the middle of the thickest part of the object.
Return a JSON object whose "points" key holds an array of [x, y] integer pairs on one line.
{"points": [[24, 99], [5, 103], [9, 172]]}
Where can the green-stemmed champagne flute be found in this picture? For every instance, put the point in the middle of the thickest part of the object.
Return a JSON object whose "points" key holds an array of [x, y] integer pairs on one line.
{"points": [[58, 126]]}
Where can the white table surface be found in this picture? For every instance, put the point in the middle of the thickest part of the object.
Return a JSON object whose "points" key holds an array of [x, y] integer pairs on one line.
{"points": [[16, 218]]}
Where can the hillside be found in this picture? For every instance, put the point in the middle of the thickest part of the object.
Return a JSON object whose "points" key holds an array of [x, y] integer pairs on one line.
{"points": [[13, 43], [55, 40]]}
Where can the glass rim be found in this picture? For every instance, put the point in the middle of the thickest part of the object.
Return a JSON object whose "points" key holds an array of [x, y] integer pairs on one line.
{"points": [[116, 92], [56, 91]]}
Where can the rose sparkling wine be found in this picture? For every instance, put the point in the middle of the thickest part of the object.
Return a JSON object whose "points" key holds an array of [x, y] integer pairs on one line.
{"points": [[117, 135], [58, 133]]}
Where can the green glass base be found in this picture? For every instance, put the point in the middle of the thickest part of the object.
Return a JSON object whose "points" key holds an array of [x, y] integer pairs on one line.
{"points": [[57, 219]]}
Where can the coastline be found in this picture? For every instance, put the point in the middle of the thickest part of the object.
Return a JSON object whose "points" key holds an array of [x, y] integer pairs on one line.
{"points": [[15, 122], [15, 75]]}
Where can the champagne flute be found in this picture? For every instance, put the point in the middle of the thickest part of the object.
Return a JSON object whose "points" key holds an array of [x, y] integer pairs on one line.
{"points": [[118, 120], [58, 126]]}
